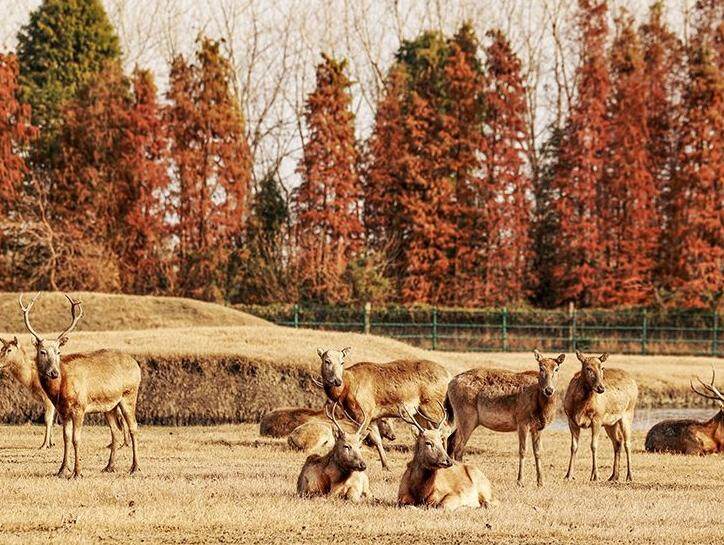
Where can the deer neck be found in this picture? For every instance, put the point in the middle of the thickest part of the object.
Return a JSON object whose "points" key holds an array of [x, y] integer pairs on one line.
{"points": [[422, 479], [545, 408], [338, 393], [51, 387], [335, 472]]}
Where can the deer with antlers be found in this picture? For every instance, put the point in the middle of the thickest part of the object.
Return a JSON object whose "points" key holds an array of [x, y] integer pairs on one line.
{"points": [[99, 381], [505, 401], [14, 358], [378, 389], [596, 398], [691, 436], [433, 479], [341, 472]]}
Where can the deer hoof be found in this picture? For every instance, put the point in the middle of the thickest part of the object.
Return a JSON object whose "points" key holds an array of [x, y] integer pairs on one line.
{"points": [[520, 483], [135, 469], [108, 469], [540, 484], [77, 475]]}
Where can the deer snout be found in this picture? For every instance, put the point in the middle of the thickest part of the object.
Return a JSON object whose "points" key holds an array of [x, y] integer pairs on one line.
{"points": [[548, 391], [361, 466], [52, 373], [600, 389]]}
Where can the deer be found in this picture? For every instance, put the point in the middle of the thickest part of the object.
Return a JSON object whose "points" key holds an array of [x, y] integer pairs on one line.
{"points": [[595, 398], [101, 381], [434, 479], [14, 358], [316, 434], [504, 401], [341, 472], [281, 422], [691, 436], [378, 389]]}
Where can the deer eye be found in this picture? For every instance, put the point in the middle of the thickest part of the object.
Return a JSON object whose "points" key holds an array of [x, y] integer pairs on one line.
{"points": [[428, 444], [347, 447]]}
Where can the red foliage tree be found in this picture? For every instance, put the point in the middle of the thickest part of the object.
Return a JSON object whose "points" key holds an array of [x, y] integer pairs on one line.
{"points": [[327, 203], [697, 229], [580, 165], [211, 170], [505, 195], [16, 132], [628, 193]]}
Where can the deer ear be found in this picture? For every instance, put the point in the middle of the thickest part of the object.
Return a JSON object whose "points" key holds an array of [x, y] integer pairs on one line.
{"points": [[580, 357], [537, 355], [603, 357], [15, 341], [320, 352], [560, 359], [346, 351], [62, 341]]}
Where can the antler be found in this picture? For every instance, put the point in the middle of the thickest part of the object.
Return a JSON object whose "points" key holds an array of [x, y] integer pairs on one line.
{"points": [[332, 417], [409, 420], [75, 317], [26, 314], [717, 395], [439, 423], [316, 382]]}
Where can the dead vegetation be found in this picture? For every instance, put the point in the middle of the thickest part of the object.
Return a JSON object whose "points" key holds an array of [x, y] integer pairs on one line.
{"points": [[225, 484]]}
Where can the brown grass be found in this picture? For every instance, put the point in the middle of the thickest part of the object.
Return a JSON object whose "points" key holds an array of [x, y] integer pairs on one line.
{"points": [[105, 312], [224, 484]]}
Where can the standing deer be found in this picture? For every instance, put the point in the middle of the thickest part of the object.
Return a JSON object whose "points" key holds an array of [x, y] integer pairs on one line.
{"points": [[691, 436], [504, 401], [99, 381], [601, 397], [14, 359], [341, 472], [433, 479], [378, 389]]}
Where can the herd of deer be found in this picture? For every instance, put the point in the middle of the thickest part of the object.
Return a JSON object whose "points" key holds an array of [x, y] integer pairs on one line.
{"points": [[365, 396], [368, 394]]}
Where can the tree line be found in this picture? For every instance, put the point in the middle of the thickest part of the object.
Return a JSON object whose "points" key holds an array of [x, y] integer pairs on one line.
{"points": [[108, 184]]}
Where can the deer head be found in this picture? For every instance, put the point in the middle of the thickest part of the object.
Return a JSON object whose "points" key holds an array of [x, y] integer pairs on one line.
{"points": [[7, 351], [47, 357], [430, 452], [333, 365], [592, 371], [346, 452], [548, 376]]}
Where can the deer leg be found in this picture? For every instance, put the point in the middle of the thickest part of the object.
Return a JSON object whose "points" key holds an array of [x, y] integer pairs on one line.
{"points": [[128, 408], [112, 424], [77, 428], [614, 434], [67, 431], [626, 431], [376, 438], [48, 416], [522, 447], [575, 435], [595, 430], [460, 437], [536, 438]]}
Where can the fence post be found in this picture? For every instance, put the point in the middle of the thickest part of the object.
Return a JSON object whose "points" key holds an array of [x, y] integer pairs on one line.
{"points": [[296, 316], [572, 327], [715, 334], [368, 311], [434, 328], [504, 330], [644, 332]]}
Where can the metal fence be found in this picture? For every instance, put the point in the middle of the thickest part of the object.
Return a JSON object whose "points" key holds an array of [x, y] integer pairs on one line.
{"points": [[632, 331]]}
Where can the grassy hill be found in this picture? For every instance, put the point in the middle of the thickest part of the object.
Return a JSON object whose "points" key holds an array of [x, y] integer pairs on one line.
{"points": [[106, 312]]}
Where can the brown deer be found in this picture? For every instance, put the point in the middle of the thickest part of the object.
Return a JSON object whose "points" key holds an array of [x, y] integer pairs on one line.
{"points": [[378, 389], [281, 422], [316, 434], [16, 361], [691, 436], [433, 479], [599, 397], [99, 381], [341, 472], [504, 401]]}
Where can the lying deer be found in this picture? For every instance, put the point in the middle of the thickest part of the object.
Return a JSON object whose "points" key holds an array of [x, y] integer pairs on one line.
{"points": [[433, 479], [281, 422], [599, 397], [16, 361], [341, 472], [505, 401], [317, 434], [691, 436], [378, 389], [100, 381]]}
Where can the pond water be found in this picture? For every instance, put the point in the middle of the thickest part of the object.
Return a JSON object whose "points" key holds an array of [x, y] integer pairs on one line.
{"points": [[645, 418]]}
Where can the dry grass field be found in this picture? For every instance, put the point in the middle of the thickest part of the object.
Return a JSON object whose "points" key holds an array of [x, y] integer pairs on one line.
{"points": [[225, 485]]}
